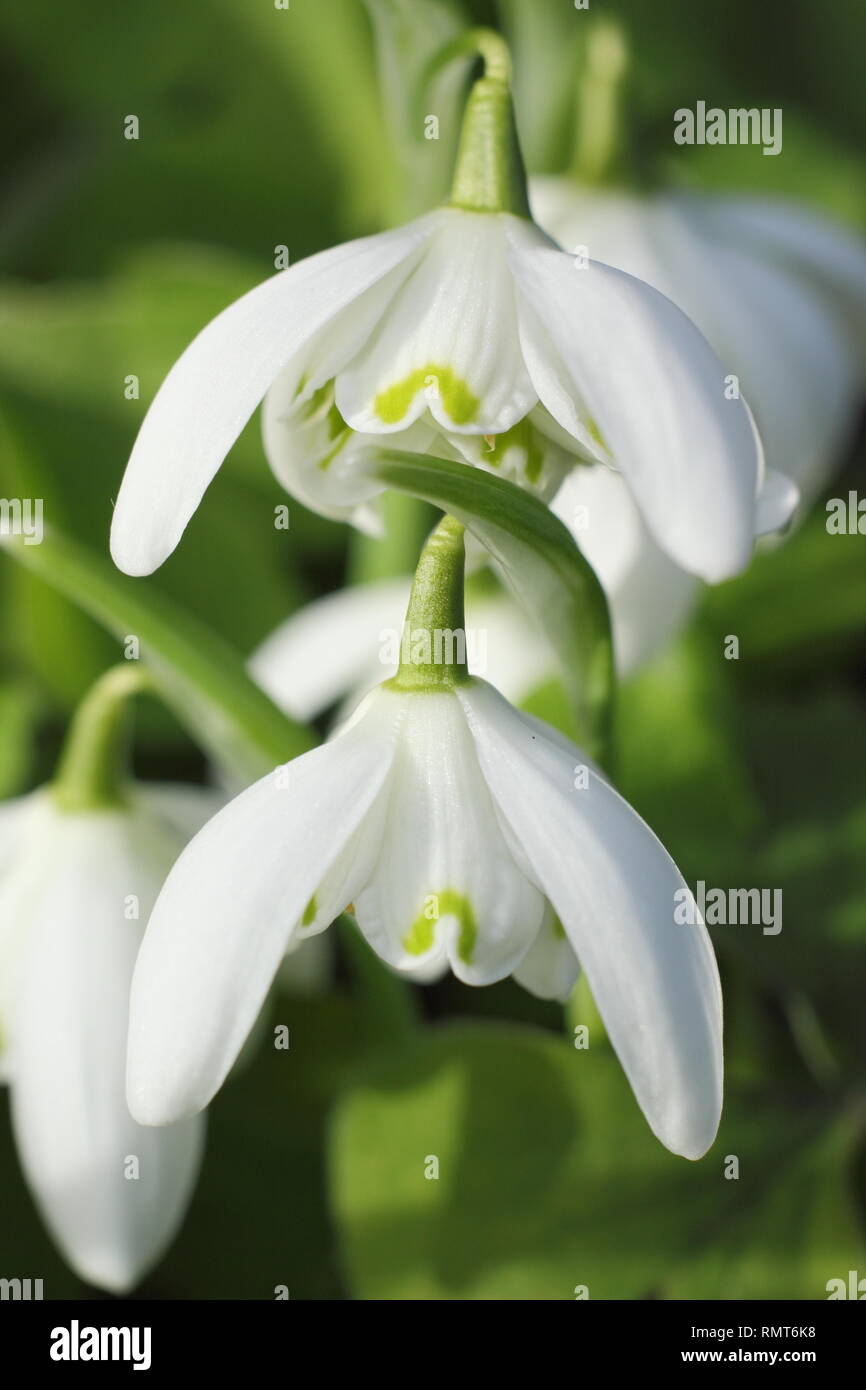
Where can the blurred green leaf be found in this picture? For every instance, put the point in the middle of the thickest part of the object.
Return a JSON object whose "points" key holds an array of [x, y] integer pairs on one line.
{"points": [[800, 605], [199, 675], [548, 1179], [681, 758], [259, 1217], [807, 762], [70, 427], [541, 564], [19, 714], [789, 1240]]}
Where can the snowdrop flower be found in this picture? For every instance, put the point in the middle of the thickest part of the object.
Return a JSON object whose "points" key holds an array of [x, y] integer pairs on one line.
{"points": [[472, 323], [463, 833], [78, 877], [779, 293]]}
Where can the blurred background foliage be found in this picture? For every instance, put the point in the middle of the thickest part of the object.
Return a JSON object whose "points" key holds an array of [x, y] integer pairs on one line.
{"points": [[262, 127]]}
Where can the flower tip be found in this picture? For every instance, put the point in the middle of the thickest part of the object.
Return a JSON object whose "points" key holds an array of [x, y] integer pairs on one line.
{"points": [[154, 1105], [130, 553]]}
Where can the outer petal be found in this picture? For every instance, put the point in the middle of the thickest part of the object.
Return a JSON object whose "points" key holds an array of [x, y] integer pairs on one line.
{"points": [[786, 231], [650, 597], [653, 386], [223, 920], [775, 504], [791, 353], [752, 298], [613, 887], [445, 879], [111, 1192], [216, 384], [329, 647], [448, 341]]}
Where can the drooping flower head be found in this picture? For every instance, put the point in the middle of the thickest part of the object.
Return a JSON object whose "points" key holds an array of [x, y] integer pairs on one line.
{"points": [[464, 835], [80, 869], [469, 333]]}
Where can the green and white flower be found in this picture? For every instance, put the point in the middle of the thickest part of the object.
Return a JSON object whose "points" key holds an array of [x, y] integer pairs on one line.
{"points": [[79, 873], [468, 326], [465, 835]]}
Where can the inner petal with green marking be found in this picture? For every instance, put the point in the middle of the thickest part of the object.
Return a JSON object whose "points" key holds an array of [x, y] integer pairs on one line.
{"points": [[421, 936], [457, 399]]}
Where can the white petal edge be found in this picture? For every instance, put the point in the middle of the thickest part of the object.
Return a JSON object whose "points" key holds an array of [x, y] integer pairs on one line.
{"points": [[216, 384], [223, 920], [75, 1135], [612, 885], [329, 646], [655, 388]]}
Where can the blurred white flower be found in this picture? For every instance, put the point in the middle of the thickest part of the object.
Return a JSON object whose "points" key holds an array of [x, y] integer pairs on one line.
{"points": [[463, 833], [76, 889], [323, 654], [779, 292], [472, 324]]}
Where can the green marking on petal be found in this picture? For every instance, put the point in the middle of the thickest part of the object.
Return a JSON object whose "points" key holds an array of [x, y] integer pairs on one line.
{"points": [[595, 433], [341, 441], [449, 903], [392, 404], [419, 938], [521, 436], [309, 912], [557, 928]]}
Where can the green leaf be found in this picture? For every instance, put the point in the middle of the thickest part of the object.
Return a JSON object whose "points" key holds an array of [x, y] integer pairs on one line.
{"points": [[541, 564], [549, 1178], [198, 674], [799, 603]]}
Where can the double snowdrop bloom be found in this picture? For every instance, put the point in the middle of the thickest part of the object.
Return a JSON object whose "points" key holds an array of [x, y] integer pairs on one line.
{"points": [[463, 834], [76, 888], [468, 332], [779, 292]]}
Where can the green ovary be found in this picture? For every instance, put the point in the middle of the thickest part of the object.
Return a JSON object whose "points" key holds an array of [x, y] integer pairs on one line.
{"points": [[421, 935], [392, 404]]}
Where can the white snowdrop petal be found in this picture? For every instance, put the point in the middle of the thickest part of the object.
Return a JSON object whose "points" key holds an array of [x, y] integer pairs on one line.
{"points": [[445, 877], [649, 596], [447, 342], [111, 1192], [321, 461], [223, 920], [614, 888], [791, 234], [655, 392], [213, 388], [776, 503], [330, 646]]}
